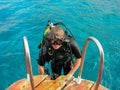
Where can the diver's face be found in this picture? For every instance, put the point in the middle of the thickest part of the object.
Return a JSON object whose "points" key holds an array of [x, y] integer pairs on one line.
{"points": [[56, 44]]}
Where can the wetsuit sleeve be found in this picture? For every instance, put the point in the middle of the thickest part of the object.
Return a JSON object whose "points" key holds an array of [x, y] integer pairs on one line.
{"points": [[75, 48], [43, 57]]}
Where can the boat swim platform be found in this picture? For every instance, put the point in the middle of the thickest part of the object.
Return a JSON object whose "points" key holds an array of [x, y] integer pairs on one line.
{"points": [[44, 82]]}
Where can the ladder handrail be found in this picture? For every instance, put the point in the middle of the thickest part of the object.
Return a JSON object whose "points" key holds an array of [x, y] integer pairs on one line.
{"points": [[28, 62], [101, 59]]}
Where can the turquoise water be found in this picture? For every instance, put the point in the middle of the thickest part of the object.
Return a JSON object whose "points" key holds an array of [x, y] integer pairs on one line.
{"points": [[98, 18]]}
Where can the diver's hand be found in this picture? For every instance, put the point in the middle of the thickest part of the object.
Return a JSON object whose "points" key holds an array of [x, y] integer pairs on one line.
{"points": [[69, 75]]}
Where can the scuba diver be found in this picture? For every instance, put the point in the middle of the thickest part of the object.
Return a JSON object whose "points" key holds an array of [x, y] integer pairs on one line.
{"points": [[59, 48]]}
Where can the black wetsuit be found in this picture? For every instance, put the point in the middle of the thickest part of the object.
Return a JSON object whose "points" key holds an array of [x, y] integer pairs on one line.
{"points": [[62, 57]]}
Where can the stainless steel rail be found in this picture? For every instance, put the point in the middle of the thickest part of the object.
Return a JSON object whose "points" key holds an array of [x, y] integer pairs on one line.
{"points": [[101, 59], [28, 62]]}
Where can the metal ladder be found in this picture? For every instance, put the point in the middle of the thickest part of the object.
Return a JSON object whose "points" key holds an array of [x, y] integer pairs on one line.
{"points": [[101, 60], [28, 63], [29, 67]]}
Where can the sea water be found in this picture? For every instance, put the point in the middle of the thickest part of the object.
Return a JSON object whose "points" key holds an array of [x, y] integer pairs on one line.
{"points": [[84, 18]]}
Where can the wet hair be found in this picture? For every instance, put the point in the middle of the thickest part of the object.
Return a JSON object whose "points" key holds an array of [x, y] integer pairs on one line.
{"points": [[56, 33]]}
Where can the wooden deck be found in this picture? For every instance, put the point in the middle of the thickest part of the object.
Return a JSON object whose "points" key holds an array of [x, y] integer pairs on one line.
{"points": [[61, 83]]}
